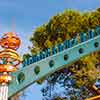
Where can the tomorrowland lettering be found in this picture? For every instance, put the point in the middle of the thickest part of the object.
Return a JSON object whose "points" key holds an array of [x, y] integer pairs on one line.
{"points": [[60, 47]]}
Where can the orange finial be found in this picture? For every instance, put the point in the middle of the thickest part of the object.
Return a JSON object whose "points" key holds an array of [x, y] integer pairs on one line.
{"points": [[10, 40], [9, 57]]}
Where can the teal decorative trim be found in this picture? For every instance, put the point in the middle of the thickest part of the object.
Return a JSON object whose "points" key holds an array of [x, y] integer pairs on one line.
{"points": [[73, 54], [37, 70], [63, 46], [21, 77]]}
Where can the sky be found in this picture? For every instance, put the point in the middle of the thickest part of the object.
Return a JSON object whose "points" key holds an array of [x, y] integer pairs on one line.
{"points": [[23, 16]]}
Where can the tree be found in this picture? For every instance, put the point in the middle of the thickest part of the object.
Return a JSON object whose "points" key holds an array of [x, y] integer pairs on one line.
{"points": [[63, 26]]}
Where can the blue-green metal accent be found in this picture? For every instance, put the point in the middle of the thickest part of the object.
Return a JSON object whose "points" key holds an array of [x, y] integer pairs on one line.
{"points": [[51, 63], [96, 44], [47, 52], [54, 50], [90, 34], [37, 70], [66, 57], [81, 50], [97, 30], [73, 55], [83, 37], [21, 77], [60, 47]]}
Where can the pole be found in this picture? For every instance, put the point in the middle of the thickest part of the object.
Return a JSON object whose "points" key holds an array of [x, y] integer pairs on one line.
{"points": [[10, 42], [4, 92]]}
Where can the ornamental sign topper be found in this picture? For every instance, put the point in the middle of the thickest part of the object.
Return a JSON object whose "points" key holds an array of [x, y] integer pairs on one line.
{"points": [[9, 60]]}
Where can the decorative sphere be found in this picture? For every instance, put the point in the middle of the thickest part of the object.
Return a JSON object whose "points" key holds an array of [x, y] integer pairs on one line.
{"points": [[10, 40]]}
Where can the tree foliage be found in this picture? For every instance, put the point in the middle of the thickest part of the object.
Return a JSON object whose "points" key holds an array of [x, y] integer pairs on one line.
{"points": [[66, 25], [63, 26]]}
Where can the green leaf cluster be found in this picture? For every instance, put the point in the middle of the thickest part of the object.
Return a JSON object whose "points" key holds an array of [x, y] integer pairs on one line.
{"points": [[63, 26]]}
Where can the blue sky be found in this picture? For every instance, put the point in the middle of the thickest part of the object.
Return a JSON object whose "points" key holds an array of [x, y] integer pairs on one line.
{"points": [[23, 16]]}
